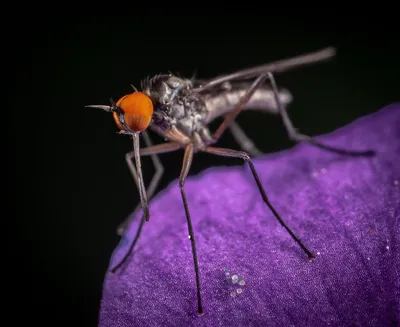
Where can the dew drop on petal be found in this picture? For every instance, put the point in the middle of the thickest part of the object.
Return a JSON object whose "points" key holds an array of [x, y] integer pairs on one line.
{"points": [[235, 279]]}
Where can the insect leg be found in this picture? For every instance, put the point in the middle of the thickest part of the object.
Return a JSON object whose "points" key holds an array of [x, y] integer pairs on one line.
{"points": [[187, 162], [140, 182], [229, 118], [243, 140], [154, 181], [155, 149], [246, 157], [297, 137]]}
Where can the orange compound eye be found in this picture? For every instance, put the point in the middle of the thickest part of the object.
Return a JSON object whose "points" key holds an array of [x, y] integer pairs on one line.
{"points": [[138, 111]]}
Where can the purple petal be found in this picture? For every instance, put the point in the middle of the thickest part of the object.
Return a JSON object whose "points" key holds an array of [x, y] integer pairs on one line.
{"points": [[345, 209]]}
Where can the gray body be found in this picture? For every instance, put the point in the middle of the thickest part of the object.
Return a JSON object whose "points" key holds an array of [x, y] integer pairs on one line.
{"points": [[182, 115]]}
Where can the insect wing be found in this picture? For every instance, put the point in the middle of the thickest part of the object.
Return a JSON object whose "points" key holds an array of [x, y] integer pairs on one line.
{"points": [[274, 67]]}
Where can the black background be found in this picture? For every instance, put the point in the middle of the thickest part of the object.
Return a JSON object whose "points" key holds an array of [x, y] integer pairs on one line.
{"points": [[71, 184]]}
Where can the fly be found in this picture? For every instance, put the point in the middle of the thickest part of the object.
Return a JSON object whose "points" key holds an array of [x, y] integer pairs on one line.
{"points": [[180, 110]]}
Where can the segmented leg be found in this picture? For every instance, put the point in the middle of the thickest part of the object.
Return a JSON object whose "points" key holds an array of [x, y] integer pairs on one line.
{"points": [[246, 158], [155, 149], [298, 137], [229, 118], [159, 170], [187, 162], [245, 143], [291, 130]]}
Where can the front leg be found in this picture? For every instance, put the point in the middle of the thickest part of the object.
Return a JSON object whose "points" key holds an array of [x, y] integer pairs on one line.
{"points": [[151, 150], [154, 181]]}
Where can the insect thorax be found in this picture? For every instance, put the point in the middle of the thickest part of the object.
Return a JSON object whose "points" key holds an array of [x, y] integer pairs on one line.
{"points": [[175, 105]]}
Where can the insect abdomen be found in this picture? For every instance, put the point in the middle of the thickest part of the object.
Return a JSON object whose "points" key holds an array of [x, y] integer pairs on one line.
{"points": [[263, 99]]}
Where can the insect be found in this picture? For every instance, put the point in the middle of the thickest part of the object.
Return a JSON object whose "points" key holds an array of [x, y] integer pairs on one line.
{"points": [[180, 110]]}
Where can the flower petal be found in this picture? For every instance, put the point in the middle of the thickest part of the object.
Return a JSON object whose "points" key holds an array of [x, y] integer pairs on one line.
{"points": [[345, 209]]}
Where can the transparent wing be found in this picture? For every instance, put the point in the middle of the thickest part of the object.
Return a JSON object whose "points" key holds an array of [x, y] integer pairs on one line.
{"points": [[274, 67]]}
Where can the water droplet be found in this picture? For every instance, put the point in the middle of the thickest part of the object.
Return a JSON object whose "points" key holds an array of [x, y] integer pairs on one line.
{"points": [[242, 282], [239, 291], [387, 247], [368, 258], [235, 279], [233, 294], [189, 237], [318, 253]]}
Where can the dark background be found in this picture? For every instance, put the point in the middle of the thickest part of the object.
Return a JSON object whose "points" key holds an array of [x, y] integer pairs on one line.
{"points": [[71, 184]]}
